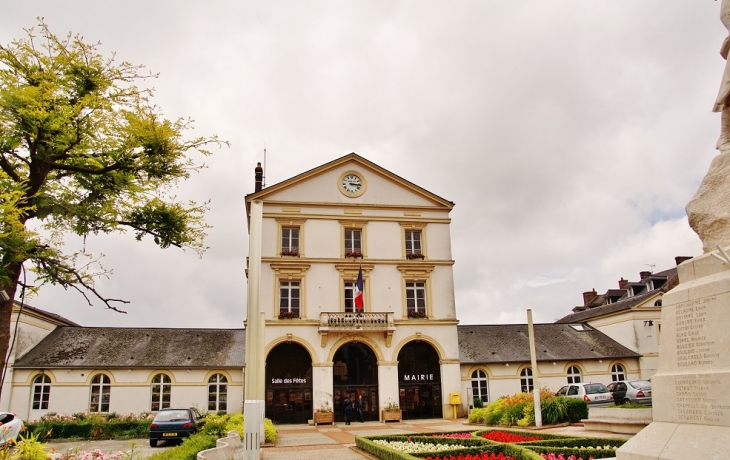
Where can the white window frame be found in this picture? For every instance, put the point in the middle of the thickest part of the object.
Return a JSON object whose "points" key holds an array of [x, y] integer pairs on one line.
{"points": [[290, 239], [217, 387], [349, 296], [574, 375], [161, 385], [527, 383], [416, 244], [41, 392], [101, 388], [480, 385], [618, 372], [285, 301], [353, 241], [416, 297]]}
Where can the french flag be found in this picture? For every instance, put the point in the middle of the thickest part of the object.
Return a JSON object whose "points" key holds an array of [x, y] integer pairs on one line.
{"points": [[358, 291]]}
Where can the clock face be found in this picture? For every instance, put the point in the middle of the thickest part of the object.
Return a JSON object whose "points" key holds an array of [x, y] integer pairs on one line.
{"points": [[351, 184]]}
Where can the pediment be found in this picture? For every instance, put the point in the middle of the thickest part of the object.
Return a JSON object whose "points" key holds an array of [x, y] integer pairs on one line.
{"points": [[323, 184]]}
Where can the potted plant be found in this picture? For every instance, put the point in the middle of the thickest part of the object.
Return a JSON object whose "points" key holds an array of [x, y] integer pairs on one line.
{"points": [[324, 415], [353, 254], [288, 315], [417, 314], [414, 255], [391, 413], [290, 252]]}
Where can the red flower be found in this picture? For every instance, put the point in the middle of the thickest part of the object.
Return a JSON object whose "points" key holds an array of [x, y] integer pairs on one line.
{"points": [[503, 436]]}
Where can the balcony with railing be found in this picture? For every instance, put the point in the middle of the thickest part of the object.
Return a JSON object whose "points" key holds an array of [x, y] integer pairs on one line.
{"points": [[362, 322]]}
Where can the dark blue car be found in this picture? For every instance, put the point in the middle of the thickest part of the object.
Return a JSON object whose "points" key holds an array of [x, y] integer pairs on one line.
{"points": [[174, 424]]}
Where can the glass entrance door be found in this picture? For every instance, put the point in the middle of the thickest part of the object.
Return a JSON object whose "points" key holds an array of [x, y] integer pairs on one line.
{"points": [[421, 401], [369, 398], [288, 406]]}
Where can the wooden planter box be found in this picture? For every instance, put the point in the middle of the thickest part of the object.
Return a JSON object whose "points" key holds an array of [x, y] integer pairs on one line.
{"points": [[391, 415], [324, 417]]}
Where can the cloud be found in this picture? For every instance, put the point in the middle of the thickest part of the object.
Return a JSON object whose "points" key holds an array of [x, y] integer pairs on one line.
{"points": [[569, 134]]}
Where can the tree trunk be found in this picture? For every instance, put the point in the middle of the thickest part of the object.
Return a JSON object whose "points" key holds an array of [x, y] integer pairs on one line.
{"points": [[6, 311]]}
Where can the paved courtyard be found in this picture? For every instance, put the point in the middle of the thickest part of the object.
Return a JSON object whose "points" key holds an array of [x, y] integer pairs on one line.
{"points": [[336, 441], [303, 442]]}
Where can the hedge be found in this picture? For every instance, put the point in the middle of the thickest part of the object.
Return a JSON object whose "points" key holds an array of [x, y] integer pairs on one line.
{"points": [[92, 428], [188, 449], [530, 450], [386, 453]]}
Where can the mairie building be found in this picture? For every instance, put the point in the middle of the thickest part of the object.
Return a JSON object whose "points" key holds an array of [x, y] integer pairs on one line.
{"points": [[323, 231]]}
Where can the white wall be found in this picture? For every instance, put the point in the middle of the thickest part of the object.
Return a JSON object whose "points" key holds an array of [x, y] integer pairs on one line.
{"points": [[130, 390]]}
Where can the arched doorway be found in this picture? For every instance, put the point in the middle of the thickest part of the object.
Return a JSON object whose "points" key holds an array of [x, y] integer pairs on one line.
{"points": [[289, 384], [355, 373], [419, 381]]}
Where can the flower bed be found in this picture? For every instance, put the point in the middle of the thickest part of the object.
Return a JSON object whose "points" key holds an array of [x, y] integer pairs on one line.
{"points": [[506, 436], [577, 447], [540, 437], [483, 456], [472, 446], [457, 435]]}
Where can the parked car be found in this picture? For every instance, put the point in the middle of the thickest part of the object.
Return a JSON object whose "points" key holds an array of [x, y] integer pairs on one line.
{"points": [[10, 427], [174, 424], [631, 391], [595, 394]]}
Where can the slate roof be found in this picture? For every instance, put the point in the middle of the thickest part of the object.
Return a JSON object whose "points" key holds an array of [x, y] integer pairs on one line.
{"points": [[507, 343], [602, 308], [48, 314], [108, 347]]}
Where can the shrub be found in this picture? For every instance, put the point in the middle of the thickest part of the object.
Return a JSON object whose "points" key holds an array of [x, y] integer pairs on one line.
{"points": [[576, 409], [477, 415], [478, 403], [519, 409], [29, 448], [188, 449], [554, 410]]}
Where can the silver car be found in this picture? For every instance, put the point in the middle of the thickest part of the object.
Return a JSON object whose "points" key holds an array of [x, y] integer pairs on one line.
{"points": [[631, 391], [595, 394]]}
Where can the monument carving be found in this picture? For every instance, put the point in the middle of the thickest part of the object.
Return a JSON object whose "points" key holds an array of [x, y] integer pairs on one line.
{"points": [[690, 389], [709, 209]]}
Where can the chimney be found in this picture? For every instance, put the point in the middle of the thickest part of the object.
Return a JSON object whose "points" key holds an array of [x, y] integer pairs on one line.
{"points": [[589, 296], [622, 283], [643, 275], [680, 259], [259, 177]]}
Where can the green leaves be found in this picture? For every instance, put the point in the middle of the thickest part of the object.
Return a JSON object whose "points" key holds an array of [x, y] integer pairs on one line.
{"points": [[85, 151]]}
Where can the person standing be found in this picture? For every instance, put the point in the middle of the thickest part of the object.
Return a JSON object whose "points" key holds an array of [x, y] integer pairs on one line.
{"points": [[359, 406], [348, 410]]}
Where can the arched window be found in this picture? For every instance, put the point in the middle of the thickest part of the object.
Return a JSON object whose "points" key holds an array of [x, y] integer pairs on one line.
{"points": [[101, 387], [41, 392], [218, 393], [161, 387], [617, 373], [479, 384], [574, 374], [526, 384]]}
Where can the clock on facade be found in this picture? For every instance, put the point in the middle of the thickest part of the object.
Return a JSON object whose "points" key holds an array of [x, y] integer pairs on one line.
{"points": [[352, 184]]}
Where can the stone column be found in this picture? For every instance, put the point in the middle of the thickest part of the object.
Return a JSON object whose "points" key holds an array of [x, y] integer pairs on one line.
{"points": [[322, 385], [387, 383]]}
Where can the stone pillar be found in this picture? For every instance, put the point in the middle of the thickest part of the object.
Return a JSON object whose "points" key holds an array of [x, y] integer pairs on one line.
{"points": [[451, 383], [690, 390], [387, 383], [322, 385]]}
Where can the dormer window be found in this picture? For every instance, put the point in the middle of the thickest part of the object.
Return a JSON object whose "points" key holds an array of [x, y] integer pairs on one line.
{"points": [[636, 289], [656, 283]]}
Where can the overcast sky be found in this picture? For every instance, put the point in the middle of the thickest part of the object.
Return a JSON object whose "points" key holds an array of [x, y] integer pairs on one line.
{"points": [[570, 134]]}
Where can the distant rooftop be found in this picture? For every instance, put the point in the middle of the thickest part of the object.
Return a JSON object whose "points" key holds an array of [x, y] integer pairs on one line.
{"points": [[628, 295]]}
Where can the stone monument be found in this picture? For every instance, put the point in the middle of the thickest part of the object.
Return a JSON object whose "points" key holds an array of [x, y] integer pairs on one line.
{"points": [[691, 389]]}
